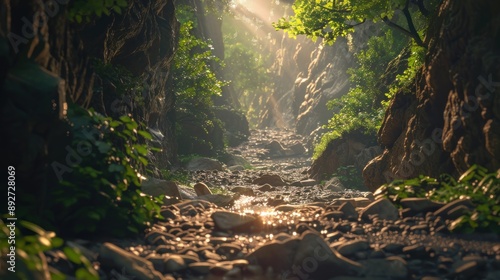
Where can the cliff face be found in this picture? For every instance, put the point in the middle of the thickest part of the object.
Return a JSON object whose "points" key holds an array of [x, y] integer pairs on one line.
{"points": [[451, 119], [308, 75], [45, 61]]}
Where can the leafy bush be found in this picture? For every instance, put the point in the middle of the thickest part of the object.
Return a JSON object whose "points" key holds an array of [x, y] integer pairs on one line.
{"points": [[476, 184], [93, 179], [195, 84], [102, 191], [405, 79], [30, 248], [359, 110]]}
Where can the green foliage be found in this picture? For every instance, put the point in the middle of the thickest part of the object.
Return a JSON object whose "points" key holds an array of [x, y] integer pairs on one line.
{"points": [[358, 109], [330, 19], [97, 189], [405, 79], [120, 78], [85, 10], [350, 177], [247, 71], [476, 184], [30, 248], [195, 84], [247, 61], [102, 192]]}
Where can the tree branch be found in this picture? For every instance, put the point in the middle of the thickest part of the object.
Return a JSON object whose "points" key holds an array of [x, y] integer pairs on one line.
{"points": [[355, 24], [411, 26], [396, 26], [422, 9]]}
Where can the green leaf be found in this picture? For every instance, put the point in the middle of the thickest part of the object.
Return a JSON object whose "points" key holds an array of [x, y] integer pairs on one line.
{"points": [[82, 273], [122, 3], [141, 149], [117, 9], [145, 134], [125, 119], [73, 254]]}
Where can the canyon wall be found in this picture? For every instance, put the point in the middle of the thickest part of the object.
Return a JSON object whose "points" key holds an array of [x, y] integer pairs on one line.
{"points": [[308, 75], [450, 119], [46, 61]]}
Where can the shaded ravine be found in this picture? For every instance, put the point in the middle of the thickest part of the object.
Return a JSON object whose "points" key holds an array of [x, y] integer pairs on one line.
{"points": [[295, 228]]}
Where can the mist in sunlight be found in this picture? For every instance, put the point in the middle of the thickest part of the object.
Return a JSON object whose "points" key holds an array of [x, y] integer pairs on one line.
{"points": [[250, 26]]}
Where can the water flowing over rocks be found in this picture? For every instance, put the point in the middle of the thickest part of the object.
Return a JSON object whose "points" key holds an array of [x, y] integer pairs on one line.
{"points": [[301, 231]]}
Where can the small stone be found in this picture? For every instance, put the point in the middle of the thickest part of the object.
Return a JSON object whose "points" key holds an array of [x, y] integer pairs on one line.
{"points": [[240, 263], [349, 212], [394, 248], [333, 236], [328, 261], [308, 182], [220, 200], [221, 268], [266, 188], [352, 247], [243, 191], [152, 237], [114, 257], [174, 263], [333, 215], [168, 214], [466, 270], [416, 251], [200, 268], [275, 254], [230, 221], [271, 179], [444, 211], [228, 249], [236, 168], [383, 208], [211, 255], [156, 187], [420, 205], [201, 189], [389, 268]]}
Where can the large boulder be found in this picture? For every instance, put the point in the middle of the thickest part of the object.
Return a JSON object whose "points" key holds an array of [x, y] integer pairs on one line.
{"points": [[347, 150]]}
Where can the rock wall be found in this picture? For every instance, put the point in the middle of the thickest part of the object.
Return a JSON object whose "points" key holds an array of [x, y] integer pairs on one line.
{"points": [[308, 75], [450, 120], [45, 62]]}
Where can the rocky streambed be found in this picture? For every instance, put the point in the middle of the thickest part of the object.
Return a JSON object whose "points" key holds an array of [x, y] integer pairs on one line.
{"points": [[268, 220]]}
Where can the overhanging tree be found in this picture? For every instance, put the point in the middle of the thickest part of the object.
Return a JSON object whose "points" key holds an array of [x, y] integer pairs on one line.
{"points": [[329, 19]]}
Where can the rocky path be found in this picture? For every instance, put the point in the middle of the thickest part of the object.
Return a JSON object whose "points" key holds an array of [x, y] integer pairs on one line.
{"points": [[271, 222]]}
